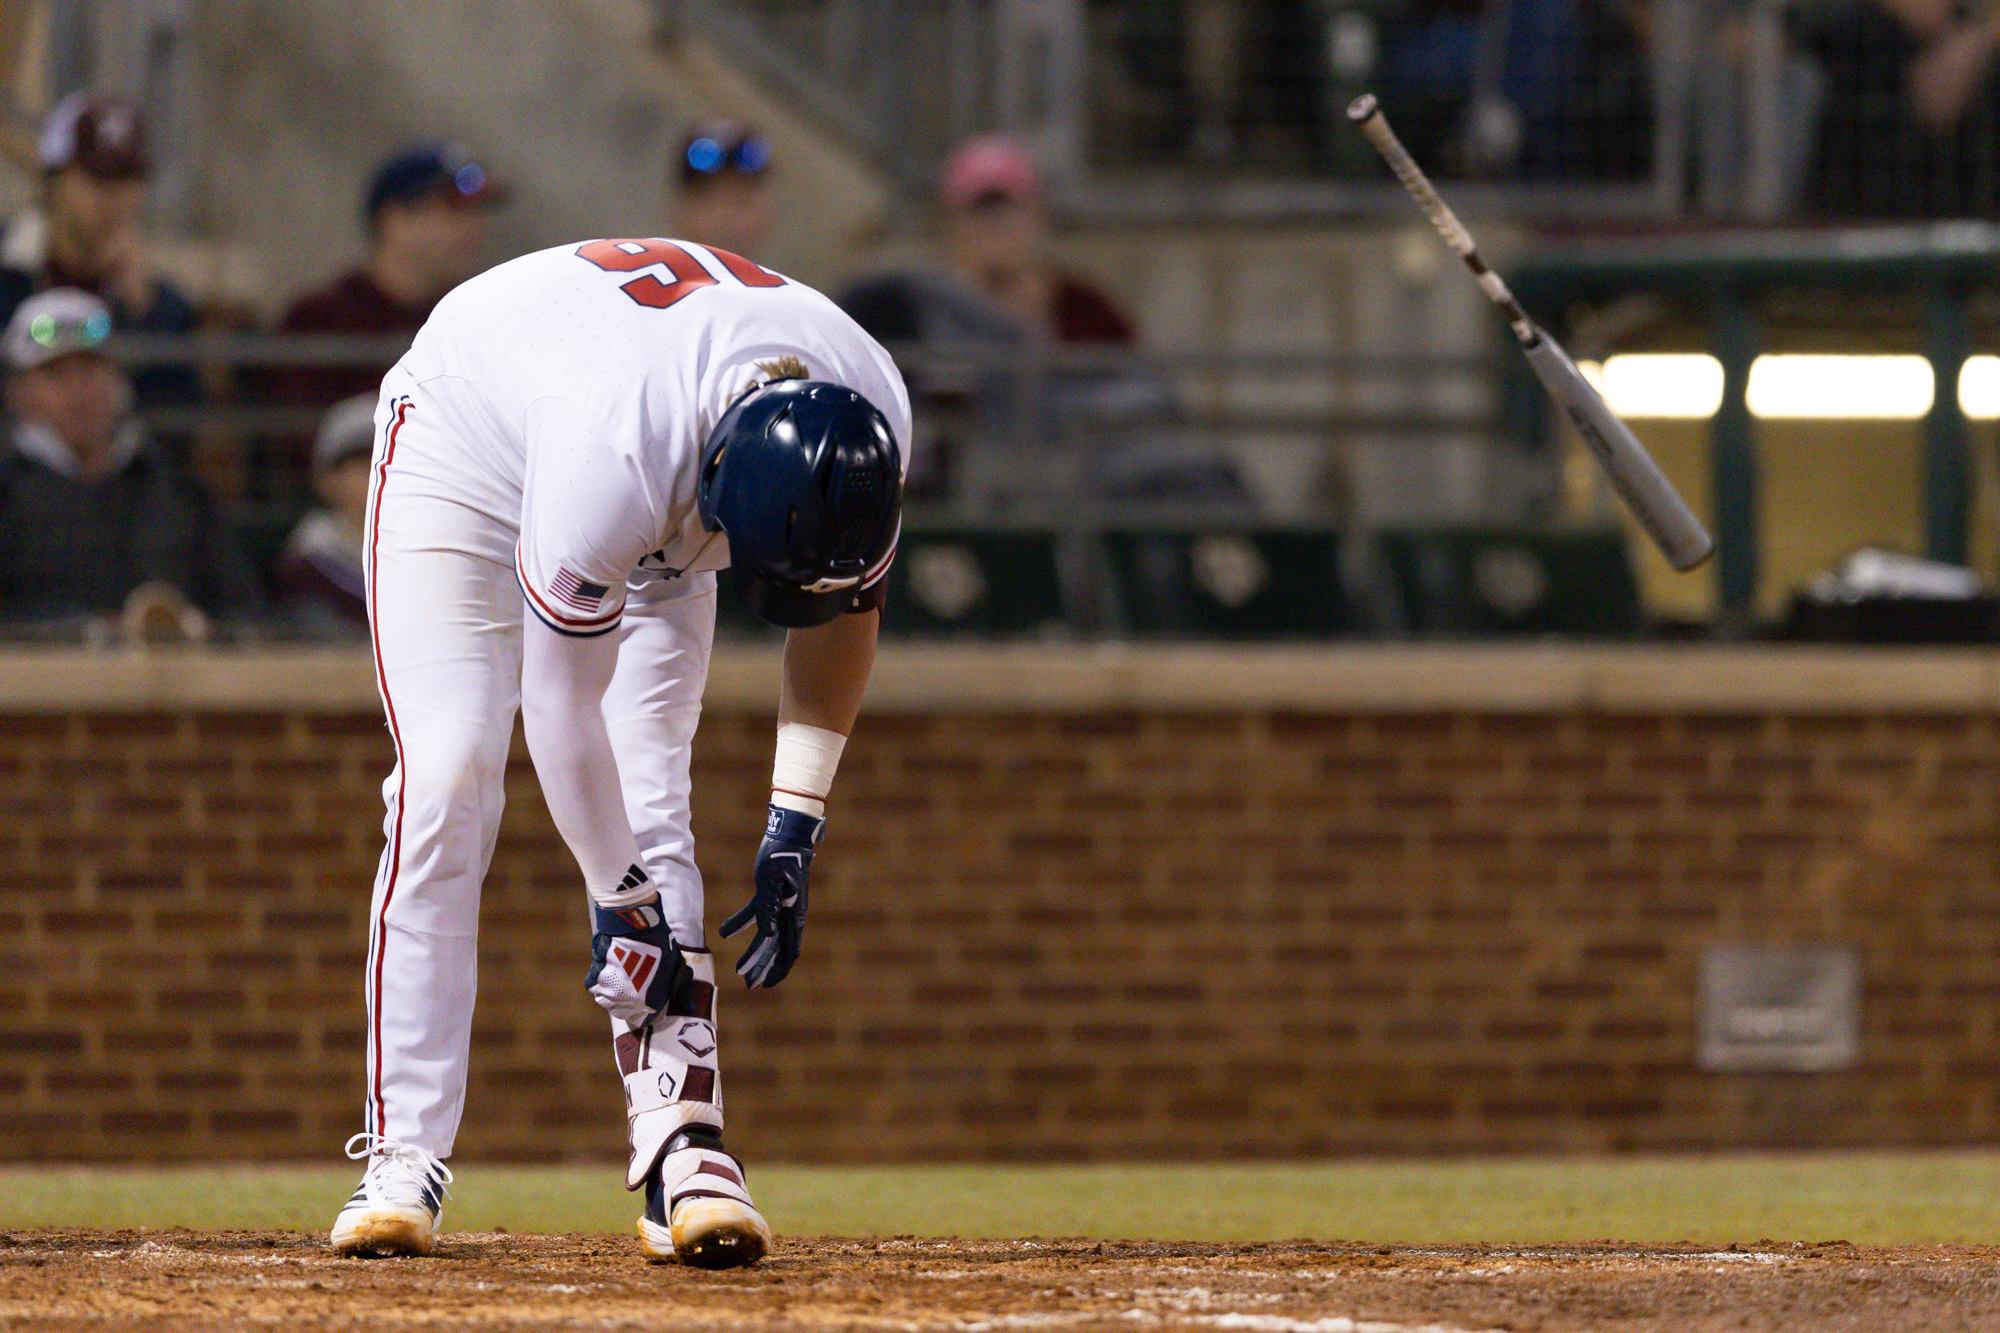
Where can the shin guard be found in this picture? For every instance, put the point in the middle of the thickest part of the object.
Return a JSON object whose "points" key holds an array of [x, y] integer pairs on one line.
{"points": [[670, 1074]]}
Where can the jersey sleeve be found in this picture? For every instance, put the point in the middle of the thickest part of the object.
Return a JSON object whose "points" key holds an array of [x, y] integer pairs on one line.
{"points": [[589, 511]]}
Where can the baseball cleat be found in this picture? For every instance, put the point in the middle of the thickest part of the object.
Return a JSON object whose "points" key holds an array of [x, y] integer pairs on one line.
{"points": [[698, 1208], [399, 1203]]}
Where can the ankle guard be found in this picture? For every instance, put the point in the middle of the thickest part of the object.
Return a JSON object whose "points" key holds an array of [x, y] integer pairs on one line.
{"points": [[693, 1165], [669, 1069]]}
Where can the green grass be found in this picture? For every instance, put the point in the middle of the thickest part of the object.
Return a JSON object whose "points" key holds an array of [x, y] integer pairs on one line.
{"points": [[1864, 1198]]}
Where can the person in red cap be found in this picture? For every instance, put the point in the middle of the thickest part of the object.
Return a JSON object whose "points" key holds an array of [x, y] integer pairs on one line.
{"points": [[1000, 287], [996, 236], [425, 218], [85, 233], [996, 246], [997, 287]]}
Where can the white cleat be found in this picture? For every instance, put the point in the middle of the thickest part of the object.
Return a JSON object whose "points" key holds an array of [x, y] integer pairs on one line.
{"points": [[698, 1207], [399, 1203]]}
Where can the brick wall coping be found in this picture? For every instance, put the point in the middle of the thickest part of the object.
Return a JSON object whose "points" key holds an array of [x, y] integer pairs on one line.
{"points": [[1344, 678]]}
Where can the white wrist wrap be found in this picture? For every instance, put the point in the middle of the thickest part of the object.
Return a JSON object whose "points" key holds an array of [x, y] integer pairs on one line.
{"points": [[803, 767]]}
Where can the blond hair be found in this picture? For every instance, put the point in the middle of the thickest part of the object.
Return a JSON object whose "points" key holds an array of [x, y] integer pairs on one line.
{"points": [[778, 368]]}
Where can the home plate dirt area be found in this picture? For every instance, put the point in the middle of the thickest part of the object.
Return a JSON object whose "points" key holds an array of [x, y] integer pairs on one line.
{"points": [[186, 1280]]}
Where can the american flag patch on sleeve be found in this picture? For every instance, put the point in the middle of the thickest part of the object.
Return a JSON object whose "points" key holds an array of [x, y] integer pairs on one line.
{"points": [[576, 594]]}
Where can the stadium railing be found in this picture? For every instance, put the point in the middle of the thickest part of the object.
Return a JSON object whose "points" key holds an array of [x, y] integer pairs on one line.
{"points": [[1939, 271], [1077, 490], [1055, 493]]}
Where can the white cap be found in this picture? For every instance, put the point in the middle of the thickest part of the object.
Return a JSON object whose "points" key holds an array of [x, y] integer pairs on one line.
{"points": [[347, 428], [55, 323]]}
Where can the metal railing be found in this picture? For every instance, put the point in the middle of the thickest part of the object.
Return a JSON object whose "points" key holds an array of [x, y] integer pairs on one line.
{"points": [[1080, 442], [1071, 443], [1937, 271], [1028, 426]]}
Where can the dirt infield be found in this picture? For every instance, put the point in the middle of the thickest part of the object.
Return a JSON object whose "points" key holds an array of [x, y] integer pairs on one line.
{"points": [[184, 1280]]}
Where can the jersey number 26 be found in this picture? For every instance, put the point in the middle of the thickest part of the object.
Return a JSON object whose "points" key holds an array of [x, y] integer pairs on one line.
{"points": [[629, 256]]}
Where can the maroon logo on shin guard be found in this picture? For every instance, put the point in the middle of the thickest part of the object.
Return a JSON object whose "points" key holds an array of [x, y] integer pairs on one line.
{"points": [[695, 1039]]}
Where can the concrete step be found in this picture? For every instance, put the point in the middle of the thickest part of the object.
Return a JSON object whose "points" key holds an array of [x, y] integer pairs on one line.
{"points": [[576, 102]]}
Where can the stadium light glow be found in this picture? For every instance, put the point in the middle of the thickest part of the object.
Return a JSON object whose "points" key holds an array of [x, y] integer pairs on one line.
{"points": [[1846, 388], [1789, 386], [1671, 385], [1979, 388]]}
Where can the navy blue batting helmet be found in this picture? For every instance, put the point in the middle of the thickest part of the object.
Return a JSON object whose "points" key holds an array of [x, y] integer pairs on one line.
{"points": [[807, 481]]}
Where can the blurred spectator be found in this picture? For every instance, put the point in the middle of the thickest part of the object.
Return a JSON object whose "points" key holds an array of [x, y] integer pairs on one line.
{"points": [[85, 233], [996, 289], [1958, 50], [1214, 60], [1480, 86], [1910, 126], [96, 518], [425, 217], [1000, 284], [1232, 86], [1713, 63], [724, 194], [1001, 289], [320, 570]]}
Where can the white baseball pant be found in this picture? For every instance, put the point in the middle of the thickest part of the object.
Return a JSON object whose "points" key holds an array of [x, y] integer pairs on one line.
{"points": [[445, 614]]}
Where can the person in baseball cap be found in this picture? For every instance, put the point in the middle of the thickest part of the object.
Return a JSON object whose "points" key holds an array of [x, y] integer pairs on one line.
{"points": [[443, 173], [996, 236], [424, 214], [101, 134], [988, 170], [86, 232], [320, 568], [96, 513], [999, 283]]}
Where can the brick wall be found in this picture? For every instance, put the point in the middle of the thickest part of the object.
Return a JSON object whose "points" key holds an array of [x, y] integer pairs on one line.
{"points": [[1038, 935]]}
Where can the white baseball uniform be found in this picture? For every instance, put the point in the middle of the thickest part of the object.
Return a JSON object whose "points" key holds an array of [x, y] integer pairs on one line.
{"points": [[534, 493]]}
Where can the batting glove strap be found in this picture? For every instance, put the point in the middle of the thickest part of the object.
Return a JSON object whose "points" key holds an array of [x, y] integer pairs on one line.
{"points": [[794, 828], [636, 969], [778, 904]]}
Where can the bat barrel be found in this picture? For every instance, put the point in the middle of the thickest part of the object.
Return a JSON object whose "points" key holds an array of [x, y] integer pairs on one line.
{"points": [[1648, 493]]}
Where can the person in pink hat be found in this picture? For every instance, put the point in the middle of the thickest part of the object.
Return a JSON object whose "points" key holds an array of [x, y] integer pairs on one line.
{"points": [[997, 229], [987, 445], [996, 287], [1001, 282]]}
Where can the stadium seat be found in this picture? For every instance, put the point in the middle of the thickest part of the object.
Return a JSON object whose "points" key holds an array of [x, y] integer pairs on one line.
{"points": [[975, 583], [1480, 582], [1229, 582]]}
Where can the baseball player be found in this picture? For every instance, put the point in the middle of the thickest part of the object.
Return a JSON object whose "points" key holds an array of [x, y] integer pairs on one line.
{"points": [[575, 444]]}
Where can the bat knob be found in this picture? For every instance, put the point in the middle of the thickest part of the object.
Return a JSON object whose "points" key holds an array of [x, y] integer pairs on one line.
{"points": [[1361, 108]]}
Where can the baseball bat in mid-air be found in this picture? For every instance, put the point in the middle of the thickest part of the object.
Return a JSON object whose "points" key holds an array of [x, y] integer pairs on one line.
{"points": [[1652, 498]]}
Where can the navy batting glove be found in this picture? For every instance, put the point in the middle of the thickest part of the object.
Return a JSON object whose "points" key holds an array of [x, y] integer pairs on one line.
{"points": [[778, 905], [636, 969]]}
